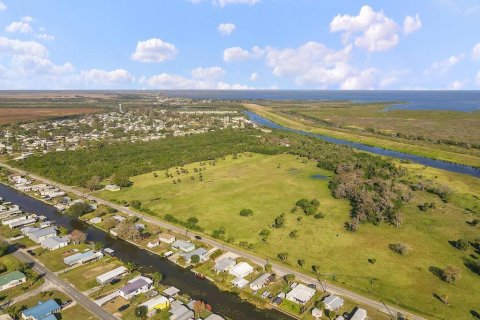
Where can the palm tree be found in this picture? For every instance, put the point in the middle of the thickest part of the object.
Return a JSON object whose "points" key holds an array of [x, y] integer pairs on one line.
{"points": [[157, 278], [131, 267]]}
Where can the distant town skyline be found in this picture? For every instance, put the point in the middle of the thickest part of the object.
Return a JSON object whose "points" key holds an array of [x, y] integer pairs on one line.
{"points": [[240, 44]]}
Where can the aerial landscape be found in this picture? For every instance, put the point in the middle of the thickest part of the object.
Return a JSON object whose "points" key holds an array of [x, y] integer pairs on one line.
{"points": [[239, 167]]}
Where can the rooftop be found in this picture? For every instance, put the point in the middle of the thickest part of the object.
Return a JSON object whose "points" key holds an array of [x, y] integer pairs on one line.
{"points": [[11, 276], [42, 309]]}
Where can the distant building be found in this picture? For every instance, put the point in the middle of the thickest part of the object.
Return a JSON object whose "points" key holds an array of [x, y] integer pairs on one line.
{"points": [[260, 282], [241, 270], [239, 282], [171, 292], [300, 294], [95, 220], [200, 252], [111, 275], [358, 314], [42, 234], [167, 238], [224, 265], [54, 243], [333, 302], [179, 311], [11, 279], [82, 258], [42, 311], [157, 303], [112, 187], [183, 245], [135, 287]]}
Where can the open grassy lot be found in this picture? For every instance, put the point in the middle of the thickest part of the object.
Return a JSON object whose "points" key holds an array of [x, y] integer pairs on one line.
{"points": [[355, 133], [84, 277], [11, 115], [53, 260], [270, 186]]}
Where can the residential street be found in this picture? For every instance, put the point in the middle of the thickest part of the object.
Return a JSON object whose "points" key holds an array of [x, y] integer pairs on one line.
{"points": [[277, 268], [64, 287]]}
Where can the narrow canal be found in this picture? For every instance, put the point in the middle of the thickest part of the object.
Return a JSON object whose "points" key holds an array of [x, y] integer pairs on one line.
{"points": [[439, 164], [224, 303]]}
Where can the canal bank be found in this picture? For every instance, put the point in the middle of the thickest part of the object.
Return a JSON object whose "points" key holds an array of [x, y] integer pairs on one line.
{"points": [[439, 164], [224, 303]]}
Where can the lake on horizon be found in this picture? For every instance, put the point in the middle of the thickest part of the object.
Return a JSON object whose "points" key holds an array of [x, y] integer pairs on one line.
{"points": [[466, 101]]}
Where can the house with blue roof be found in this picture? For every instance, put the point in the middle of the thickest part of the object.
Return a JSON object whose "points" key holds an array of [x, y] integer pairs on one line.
{"points": [[82, 258], [42, 311]]}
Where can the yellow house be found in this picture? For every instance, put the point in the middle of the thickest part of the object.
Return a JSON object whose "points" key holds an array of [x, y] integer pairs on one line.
{"points": [[157, 303]]}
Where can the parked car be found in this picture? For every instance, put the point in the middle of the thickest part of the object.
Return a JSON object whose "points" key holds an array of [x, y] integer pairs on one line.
{"points": [[124, 307], [312, 286], [198, 237], [65, 304]]}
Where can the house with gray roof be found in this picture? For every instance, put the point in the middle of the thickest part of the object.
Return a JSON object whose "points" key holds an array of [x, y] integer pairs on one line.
{"points": [[200, 252], [42, 234], [54, 243], [183, 245], [224, 265]]}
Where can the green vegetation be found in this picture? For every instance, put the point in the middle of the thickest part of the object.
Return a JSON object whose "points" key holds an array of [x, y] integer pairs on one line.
{"points": [[333, 253], [121, 160], [369, 124]]}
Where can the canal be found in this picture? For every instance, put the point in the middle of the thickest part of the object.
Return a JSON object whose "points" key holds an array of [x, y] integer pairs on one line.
{"points": [[439, 164], [224, 303]]}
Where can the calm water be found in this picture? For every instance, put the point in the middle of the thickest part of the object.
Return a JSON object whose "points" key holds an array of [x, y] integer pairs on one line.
{"points": [[383, 152], [411, 100], [224, 303]]}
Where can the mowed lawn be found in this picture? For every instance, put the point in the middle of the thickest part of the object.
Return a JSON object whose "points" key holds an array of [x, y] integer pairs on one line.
{"points": [[270, 185]]}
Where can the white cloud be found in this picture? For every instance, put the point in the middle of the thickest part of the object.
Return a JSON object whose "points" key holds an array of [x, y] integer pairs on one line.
{"points": [[457, 85], [224, 3], [226, 28], [239, 54], [476, 52], [411, 24], [12, 46], [207, 73], [99, 76], [445, 65], [373, 30], [22, 26], [3, 6], [39, 65], [254, 76], [154, 50], [202, 79], [45, 36]]}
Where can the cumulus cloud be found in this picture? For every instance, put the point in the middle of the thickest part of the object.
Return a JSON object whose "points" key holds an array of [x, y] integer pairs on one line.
{"points": [[223, 3], [207, 73], [226, 28], [457, 85], [239, 54], [3, 6], [445, 65], [476, 52], [254, 76], [373, 31], [22, 26], [39, 65], [202, 79], [99, 76], [13, 46], [411, 24], [154, 50], [45, 36]]}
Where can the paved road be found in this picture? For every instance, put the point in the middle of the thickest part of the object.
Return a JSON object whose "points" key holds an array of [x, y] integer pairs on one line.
{"points": [[278, 269], [65, 287]]}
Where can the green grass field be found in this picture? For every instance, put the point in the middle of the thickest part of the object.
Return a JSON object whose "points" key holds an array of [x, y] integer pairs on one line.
{"points": [[270, 185]]}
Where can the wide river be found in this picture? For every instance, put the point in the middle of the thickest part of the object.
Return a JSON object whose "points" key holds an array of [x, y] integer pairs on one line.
{"points": [[224, 303], [259, 120]]}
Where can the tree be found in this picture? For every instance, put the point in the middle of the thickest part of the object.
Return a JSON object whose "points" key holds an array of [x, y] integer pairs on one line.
{"points": [[79, 209], [283, 256], [399, 248], [450, 274], [121, 180], [290, 278], [246, 212], [136, 204], [315, 268], [157, 277], [62, 231], [195, 259], [3, 248], [199, 307], [127, 230], [268, 267], [141, 312], [78, 236], [3, 268], [131, 266], [331, 314], [264, 234], [461, 244], [97, 246], [301, 262], [109, 223], [93, 183]]}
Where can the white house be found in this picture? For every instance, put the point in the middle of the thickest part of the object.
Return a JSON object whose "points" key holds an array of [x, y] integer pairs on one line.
{"points": [[358, 314], [111, 275], [167, 238], [224, 265], [135, 287], [11, 279], [183, 245], [241, 270], [260, 282], [54, 243], [300, 294], [42, 234], [239, 282], [333, 302]]}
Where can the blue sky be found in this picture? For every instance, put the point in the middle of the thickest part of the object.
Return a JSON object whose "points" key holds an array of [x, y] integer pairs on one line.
{"points": [[239, 44]]}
